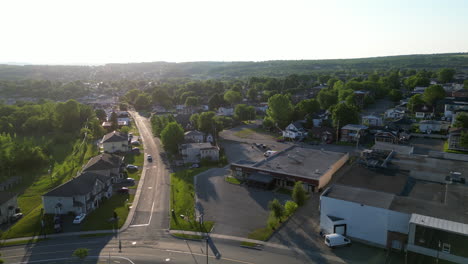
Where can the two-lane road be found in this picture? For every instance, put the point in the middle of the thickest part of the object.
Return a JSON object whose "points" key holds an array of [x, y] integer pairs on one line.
{"points": [[152, 212]]}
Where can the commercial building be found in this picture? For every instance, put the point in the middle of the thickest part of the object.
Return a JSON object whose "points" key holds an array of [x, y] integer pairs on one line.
{"points": [[387, 208], [313, 167]]}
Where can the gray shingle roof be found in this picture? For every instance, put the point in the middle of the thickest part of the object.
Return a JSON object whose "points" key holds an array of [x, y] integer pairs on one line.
{"points": [[438, 223], [115, 136], [6, 196], [103, 161], [80, 185]]}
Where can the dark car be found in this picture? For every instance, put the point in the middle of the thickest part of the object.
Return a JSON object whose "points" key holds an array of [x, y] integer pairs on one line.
{"points": [[123, 190], [280, 140]]}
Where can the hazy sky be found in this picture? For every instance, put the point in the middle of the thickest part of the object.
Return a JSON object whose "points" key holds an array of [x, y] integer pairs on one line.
{"points": [[98, 31]]}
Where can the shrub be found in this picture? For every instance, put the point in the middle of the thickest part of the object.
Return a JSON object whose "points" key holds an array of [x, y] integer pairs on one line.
{"points": [[299, 194], [290, 207]]}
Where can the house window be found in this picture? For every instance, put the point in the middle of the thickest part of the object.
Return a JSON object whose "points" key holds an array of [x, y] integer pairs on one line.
{"points": [[446, 248]]}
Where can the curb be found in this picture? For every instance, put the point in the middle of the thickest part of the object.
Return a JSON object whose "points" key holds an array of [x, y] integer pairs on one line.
{"points": [[191, 239]]}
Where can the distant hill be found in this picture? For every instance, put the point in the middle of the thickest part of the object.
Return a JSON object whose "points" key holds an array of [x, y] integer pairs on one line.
{"points": [[208, 70]]}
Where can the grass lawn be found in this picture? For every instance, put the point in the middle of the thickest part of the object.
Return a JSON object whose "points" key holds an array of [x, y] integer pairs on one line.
{"points": [[183, 201], [188, 236], [446, 149], [232, 180], [22, 242], [265, 233], [137, 160], [248, 244], [247, 132], [69, 158], [99, 218]]}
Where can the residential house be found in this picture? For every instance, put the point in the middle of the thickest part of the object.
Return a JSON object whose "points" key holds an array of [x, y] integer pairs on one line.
{"points": [[387, 136], [8, 206], [460, 93], [418, 90], [454, 139], [9, 183], [429, 126], [394, 113], [372, 121], [196, 152], [194, 136], [452, 107], [352, 132], [319, 117], [424, 111], [109, 165], [116, 142], [82, 194], [325, 134], [295, 130], [158, 109], [261, 108], [401, 124], [184, 120], [223, 111], [209, 138]]}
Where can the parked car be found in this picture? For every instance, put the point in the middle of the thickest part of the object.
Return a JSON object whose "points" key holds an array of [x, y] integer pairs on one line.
{"points": [[337, 240], [195, 165], [135, 143], [16, 217], [123, 190], [149, 158], [129, 181], [57, 227], [136, 150], [79, 218], [269, 153], [132, 167]]}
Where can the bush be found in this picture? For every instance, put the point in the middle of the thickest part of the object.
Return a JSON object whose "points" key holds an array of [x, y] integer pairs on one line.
{"points": [[299, 194], [81, 253], [290, 207], [272, 222]]}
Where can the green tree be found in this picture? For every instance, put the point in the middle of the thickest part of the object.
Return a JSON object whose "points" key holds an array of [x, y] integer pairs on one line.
{"points": [[143, 102], [280, 109], [395, 95], [268, 122], [132, 95], [216, 101], [191, 101], [433, 93], [68, 115], [299, 194], [161, 97], [308, 106], [415, 101], [232, 97], [206, 122], [331, 82], [343, 114], [252, 94], [101, 114], [445, 75], [420, 79], [194, 120], [80, 253], [290, 207], [327, 98], [244, 112], [461, 120], [123, 106], [171, 136], [114, 121], [276, 208], [125, 129], [464, 140]]}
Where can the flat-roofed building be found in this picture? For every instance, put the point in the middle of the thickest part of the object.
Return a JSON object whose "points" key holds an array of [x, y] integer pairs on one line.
{"points": [[313, 167]]}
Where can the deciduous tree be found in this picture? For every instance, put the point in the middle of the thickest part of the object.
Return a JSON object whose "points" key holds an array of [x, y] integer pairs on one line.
{"points": [[280, 109], [171, 136], [343, 114], [445, 75], [232, 97], [299, 194], [433, 93]]}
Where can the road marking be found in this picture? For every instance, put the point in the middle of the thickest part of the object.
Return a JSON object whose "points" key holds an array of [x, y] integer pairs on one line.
{"points": [[139, 225], [134, 243], [150, 188], [151, 215]]}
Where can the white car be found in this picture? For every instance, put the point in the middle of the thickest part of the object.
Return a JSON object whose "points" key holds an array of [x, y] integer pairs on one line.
{"points": [[269, 153], [132, 167], [337, 240], [79, 218]]}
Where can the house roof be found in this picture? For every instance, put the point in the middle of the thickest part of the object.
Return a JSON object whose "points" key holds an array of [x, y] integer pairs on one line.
{"points": [[354, 127], [193, 133], [403, 121], [6, 196], [423, 108], [197, 145], [360, 196], [103, 161], [438, 223], [299, 124], [80, 185], [115, 136]]}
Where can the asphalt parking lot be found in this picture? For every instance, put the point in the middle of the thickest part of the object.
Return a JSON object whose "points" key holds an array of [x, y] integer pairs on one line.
{"points": [[422, 146], [236, 209]]}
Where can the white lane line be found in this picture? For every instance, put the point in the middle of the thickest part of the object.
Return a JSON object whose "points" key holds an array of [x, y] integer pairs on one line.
{"points": [[198, 254], [139, 225], [151, 215]]}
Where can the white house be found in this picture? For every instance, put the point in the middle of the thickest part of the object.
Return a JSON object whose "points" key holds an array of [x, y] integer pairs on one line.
{"points": [[8, 205], [394, 113], [262, 107], [429, 126], [195, 152], [222, 111], [424, 111], [82, 194], [194, 136], [295, 130], [372, 120], [109, 165], [115, 142]]}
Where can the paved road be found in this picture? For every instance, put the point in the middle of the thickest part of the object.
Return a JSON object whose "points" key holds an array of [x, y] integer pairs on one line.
{"points": [[151, 216]]}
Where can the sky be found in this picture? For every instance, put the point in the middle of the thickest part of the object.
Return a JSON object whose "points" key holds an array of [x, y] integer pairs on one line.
{"points": [[101, 31]]}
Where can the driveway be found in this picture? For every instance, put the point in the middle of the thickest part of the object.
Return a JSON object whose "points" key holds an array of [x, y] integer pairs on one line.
{"points": [[236, 209]]}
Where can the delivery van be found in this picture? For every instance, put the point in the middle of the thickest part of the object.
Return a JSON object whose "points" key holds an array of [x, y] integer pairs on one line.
{"points": [[337, 240]]}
